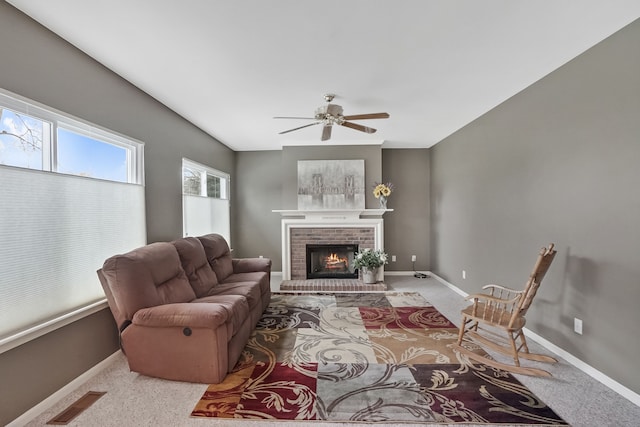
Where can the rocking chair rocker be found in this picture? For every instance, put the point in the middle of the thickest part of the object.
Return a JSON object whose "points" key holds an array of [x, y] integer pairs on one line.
{"points": [[503, 310]]}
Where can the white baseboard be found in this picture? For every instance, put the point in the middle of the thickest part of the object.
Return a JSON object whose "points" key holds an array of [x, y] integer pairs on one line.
{"points": [[584, 367], [398, 273], [454, 288], [61, 393]]}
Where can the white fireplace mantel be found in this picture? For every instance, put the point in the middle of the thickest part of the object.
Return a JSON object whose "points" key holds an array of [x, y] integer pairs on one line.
{"points": [[327, 218], [332, 214]]}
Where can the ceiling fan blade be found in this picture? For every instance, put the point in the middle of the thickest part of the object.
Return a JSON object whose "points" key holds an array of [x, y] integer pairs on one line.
{"points": [[326, 133], [305, 118], [359, 127], [301, 127], [367, 116]]}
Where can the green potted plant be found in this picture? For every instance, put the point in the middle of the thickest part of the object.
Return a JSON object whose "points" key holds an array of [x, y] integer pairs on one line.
{"points": [[368, 261]]}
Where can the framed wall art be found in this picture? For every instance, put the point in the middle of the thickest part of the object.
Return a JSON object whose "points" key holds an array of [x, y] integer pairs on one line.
{"points": [[331, 184]]}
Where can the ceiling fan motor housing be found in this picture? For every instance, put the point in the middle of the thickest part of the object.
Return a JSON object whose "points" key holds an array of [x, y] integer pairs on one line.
{"points": [[330, 114]]}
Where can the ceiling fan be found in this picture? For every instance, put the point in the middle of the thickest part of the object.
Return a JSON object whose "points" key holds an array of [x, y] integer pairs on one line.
{"points": [[331, 114]]}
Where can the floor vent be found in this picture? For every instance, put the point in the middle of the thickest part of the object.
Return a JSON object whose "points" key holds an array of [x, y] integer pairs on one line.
{"points": [[76, 408]]}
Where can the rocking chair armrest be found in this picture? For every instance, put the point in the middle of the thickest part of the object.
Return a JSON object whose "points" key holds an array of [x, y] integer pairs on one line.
{"points": [[485, 297], [489, 301], [503, 288]]}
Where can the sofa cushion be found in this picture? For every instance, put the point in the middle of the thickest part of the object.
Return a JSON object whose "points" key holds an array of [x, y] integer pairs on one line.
{"points": [[218, 254], [222, 266], [195, 265], [249, 290], [145, 277], [236, 306], [259, 277]]}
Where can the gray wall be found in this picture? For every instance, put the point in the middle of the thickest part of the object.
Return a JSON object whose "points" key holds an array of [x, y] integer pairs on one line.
{"points": [[556, 163], [39, 65], [34, 371], [258, 191], [407, 228]]}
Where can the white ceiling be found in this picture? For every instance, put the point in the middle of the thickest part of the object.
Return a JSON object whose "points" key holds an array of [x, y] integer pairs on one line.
{"points": [[230, 66]]}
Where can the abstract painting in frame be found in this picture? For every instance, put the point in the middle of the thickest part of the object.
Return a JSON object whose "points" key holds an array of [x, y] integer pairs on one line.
{"points": [[331, 184]]}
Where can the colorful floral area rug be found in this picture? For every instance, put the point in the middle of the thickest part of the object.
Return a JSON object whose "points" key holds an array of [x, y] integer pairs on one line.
{"points": [[365, 357]]}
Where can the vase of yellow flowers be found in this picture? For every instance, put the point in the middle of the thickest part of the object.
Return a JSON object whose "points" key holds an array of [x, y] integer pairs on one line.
{"points": [[382, 191]]}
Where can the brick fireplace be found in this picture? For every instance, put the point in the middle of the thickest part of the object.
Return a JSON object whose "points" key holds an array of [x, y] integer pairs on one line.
{"points": [[300, 228], [301, 237]]}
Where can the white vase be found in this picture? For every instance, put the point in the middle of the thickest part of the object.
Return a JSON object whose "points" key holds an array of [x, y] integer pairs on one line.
{"points": [[383, 202], [369, 275]]}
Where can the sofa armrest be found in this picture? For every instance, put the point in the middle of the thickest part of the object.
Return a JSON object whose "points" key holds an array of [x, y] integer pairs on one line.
{"points": [[193, 315], [249, 265]]}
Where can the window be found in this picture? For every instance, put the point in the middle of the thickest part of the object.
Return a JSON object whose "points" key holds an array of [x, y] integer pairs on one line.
{"points": [[191, 180], [214, 186], [82, 155], [205, 201], [37, 137], [58, 226], [201, 180], [23, 139]]}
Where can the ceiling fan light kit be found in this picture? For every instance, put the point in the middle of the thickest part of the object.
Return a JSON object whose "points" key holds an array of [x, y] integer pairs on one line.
{"points": [[331, 114]]}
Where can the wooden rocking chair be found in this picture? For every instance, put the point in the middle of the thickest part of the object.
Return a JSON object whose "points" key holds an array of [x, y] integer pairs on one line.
{"points": [[504, 310]]}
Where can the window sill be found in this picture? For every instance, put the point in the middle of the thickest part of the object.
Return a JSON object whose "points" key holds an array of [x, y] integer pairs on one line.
{"points": [[44, 328]]}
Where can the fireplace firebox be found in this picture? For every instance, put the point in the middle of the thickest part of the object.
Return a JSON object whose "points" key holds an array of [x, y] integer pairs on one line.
{"points": [[331, 261]]}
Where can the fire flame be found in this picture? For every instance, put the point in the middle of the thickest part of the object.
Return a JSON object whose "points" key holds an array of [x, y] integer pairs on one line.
{"points": [[334, 261]]}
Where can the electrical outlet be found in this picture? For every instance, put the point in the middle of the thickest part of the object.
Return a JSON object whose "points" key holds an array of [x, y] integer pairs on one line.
{"points": [[577, 325], [260, 256], [393, 258], [413, 258], [464, 274]]}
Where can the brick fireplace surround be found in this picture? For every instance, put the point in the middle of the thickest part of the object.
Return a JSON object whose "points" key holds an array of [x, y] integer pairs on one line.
{"points": [[299, 228], [301, 237]]}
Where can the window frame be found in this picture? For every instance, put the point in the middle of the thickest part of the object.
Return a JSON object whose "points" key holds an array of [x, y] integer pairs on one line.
{"points": [[205, 170], [58, 119]]}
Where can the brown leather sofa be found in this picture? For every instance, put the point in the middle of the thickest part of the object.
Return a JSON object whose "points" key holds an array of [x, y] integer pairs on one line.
{"points": [[185, 309]]}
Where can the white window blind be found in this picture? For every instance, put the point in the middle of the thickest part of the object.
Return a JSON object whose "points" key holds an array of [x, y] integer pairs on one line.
{"points": [[205, 200], [204, 215], [56, 230]]}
